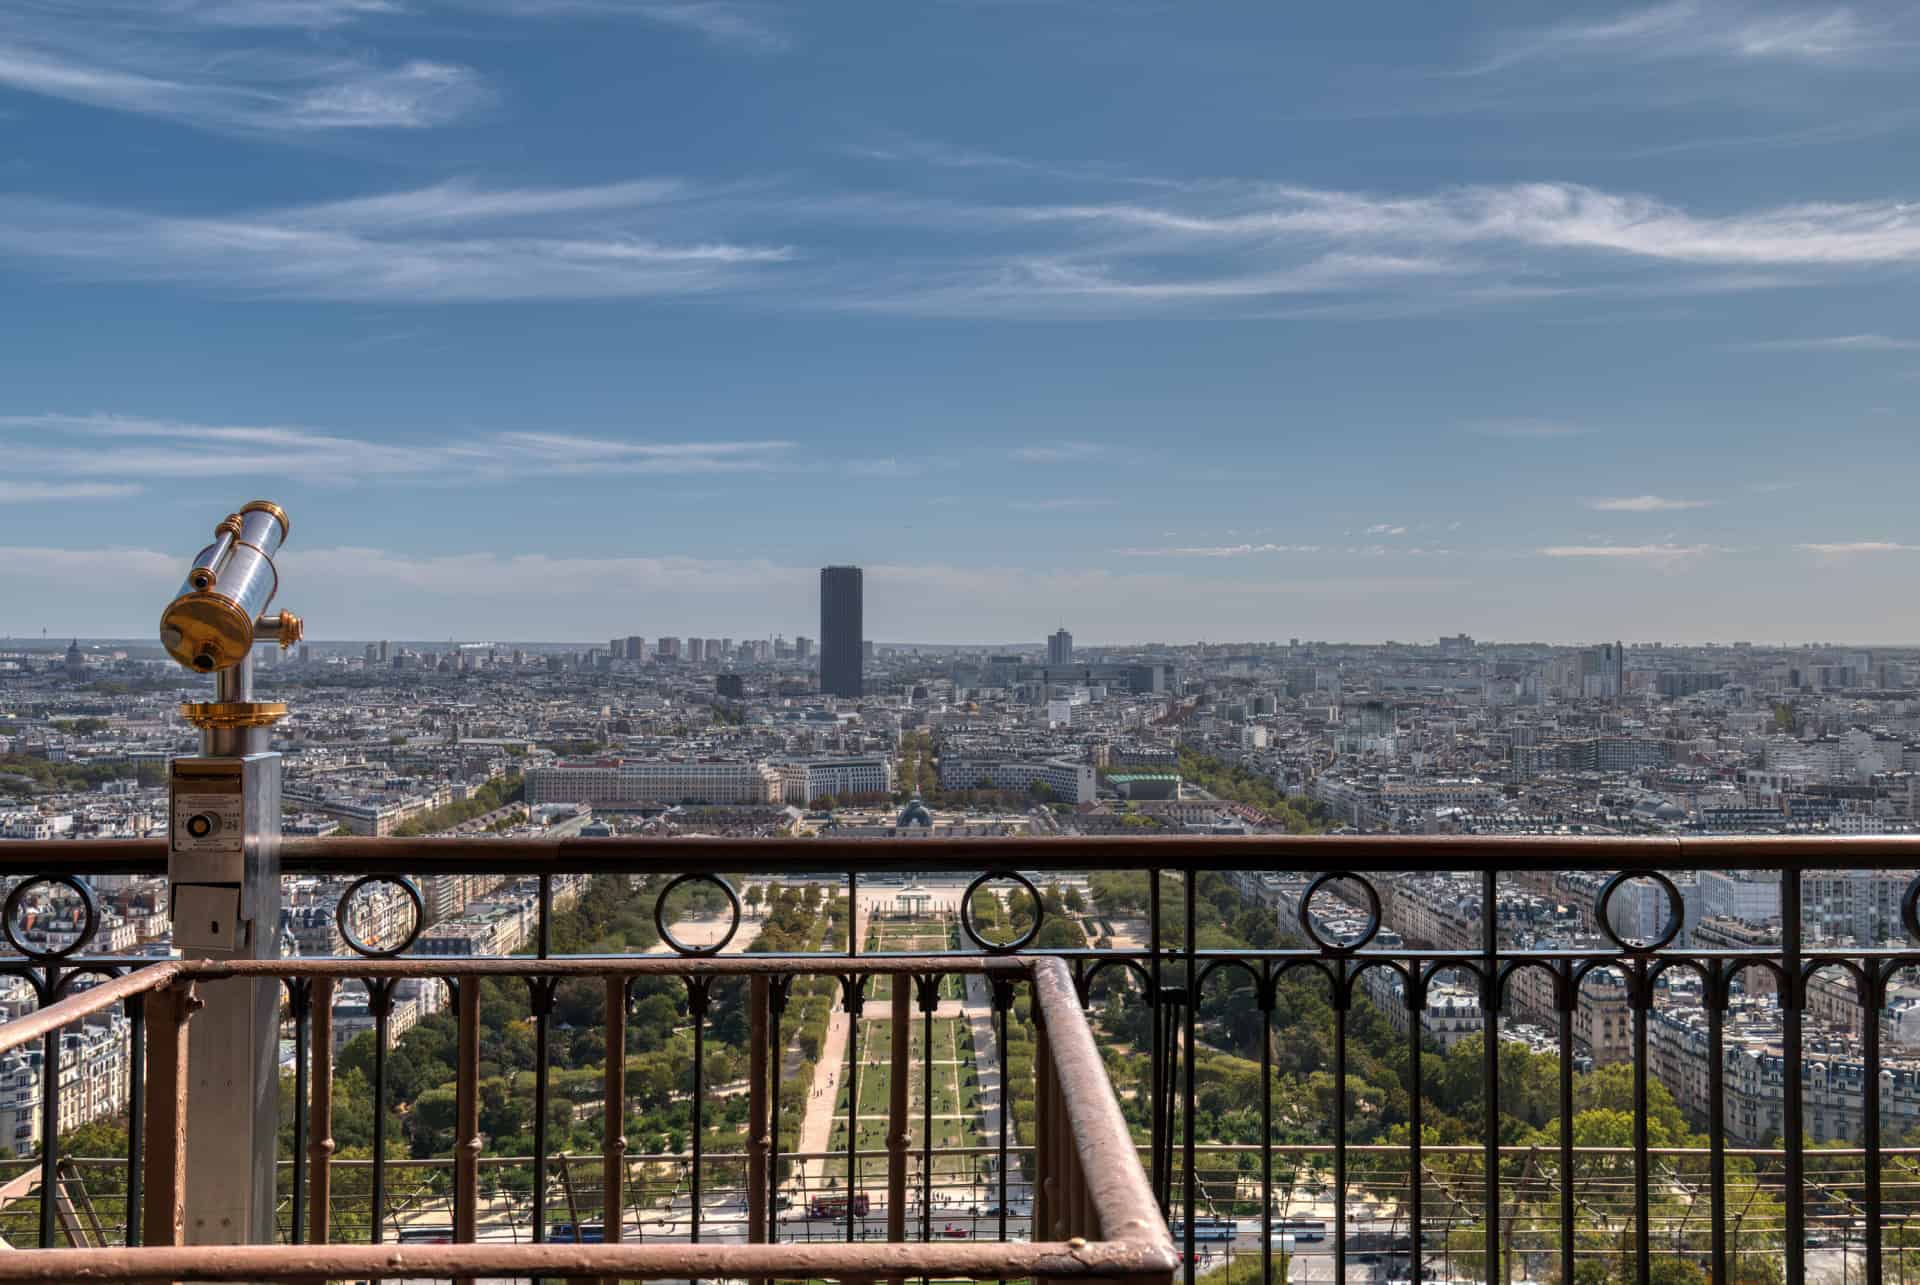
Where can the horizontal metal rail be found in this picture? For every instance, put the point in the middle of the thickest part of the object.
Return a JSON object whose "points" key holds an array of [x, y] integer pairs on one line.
{"points": [[358, 855]]}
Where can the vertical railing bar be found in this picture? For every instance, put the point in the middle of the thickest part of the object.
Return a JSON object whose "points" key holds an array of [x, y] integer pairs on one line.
{"points": [[777, 992], [1873, 996], [758, 1205], [1416, 1005], [544, 948], [136, 1115], [1190, 986], [1791, 1015], [320, 1146], [1003, 1012], [1266, 1123], [699, 991], [899, 1132], [164, 1213], [1642, 1011], [929, 1004], [856, 1000], [853, 914], [613, 1116], [380, 1003], [1490, 1058], [541, 994], [1162, 1150], [544, 925], [1045, 1157], [466, 1109], [1339, 979], [49, 1116], [1569, 1000], [300, 1004], [1716, 994]]}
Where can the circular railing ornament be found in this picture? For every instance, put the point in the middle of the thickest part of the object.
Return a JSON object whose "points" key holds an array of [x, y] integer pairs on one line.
{"points": [[679, 947], [1367, 934], [986, 943], [367, 949], [16, 901], [1676, 911]]}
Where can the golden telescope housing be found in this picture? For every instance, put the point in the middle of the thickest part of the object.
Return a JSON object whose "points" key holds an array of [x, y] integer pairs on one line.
{"points": [[220, 613]]}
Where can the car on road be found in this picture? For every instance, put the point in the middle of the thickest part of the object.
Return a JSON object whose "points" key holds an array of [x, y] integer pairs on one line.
{"points": [[954, 1231], [426, 1235], [586, 1234]]}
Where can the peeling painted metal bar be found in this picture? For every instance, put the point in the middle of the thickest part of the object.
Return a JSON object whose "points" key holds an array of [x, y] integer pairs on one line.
{"points": [[320, 1147], [613, 1119], [164, 1216], [354, 855]]}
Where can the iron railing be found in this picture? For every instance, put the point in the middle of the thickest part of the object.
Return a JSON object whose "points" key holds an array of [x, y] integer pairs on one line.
{"points": [[1170, 972], [1092, 1214]]}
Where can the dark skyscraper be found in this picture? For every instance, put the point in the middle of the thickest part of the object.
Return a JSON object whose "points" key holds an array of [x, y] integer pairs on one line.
{"points": [[840, 630], [1060, 648]]}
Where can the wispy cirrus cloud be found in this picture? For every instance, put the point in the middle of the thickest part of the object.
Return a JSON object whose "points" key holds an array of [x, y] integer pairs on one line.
{"points": [[448, 243], [1216, 550], [1833, 343], [746, 26], [1700, 29], [1386, 528], [254, 66], [1527, 430], [31, 492], [1848, 547], [203, 64], [70, 450], [1060, 504], [1642, 504], [1055, 452], [1630, 552], [1229, 250]]}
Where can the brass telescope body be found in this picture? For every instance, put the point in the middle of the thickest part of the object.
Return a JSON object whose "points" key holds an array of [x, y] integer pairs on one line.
{"points": [[219, 613]]}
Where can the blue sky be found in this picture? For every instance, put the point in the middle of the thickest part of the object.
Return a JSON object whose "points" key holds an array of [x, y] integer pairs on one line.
{"points": [[566, 318]]}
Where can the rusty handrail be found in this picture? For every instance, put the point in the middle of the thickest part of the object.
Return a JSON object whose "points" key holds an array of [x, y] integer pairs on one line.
{"points": [[567, 1261], [359, 854], [43, 1021]]}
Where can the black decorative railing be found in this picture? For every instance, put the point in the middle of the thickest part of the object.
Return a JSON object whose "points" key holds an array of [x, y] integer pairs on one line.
{"points": [[1528, 1208]]}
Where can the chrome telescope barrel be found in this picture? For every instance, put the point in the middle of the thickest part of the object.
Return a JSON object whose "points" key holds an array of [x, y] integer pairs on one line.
{"points": [[213, 620]]}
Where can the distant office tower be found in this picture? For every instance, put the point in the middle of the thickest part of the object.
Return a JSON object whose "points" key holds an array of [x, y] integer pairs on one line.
{"points": [[731, 686], [386, 651], [669, 649], [616, 649], [696, 649], [1603, 672], [306, 654], [373, 653], [636, 647], [726, 648], [803, 648], [1060, 648], [841, 623]]}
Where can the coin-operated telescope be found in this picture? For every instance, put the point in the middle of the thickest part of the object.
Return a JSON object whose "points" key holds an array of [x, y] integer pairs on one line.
{"points": [[219, 614], [223, 873]]}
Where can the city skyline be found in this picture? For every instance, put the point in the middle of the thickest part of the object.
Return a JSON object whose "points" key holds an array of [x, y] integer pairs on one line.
{"points": [[1251, 321]]}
